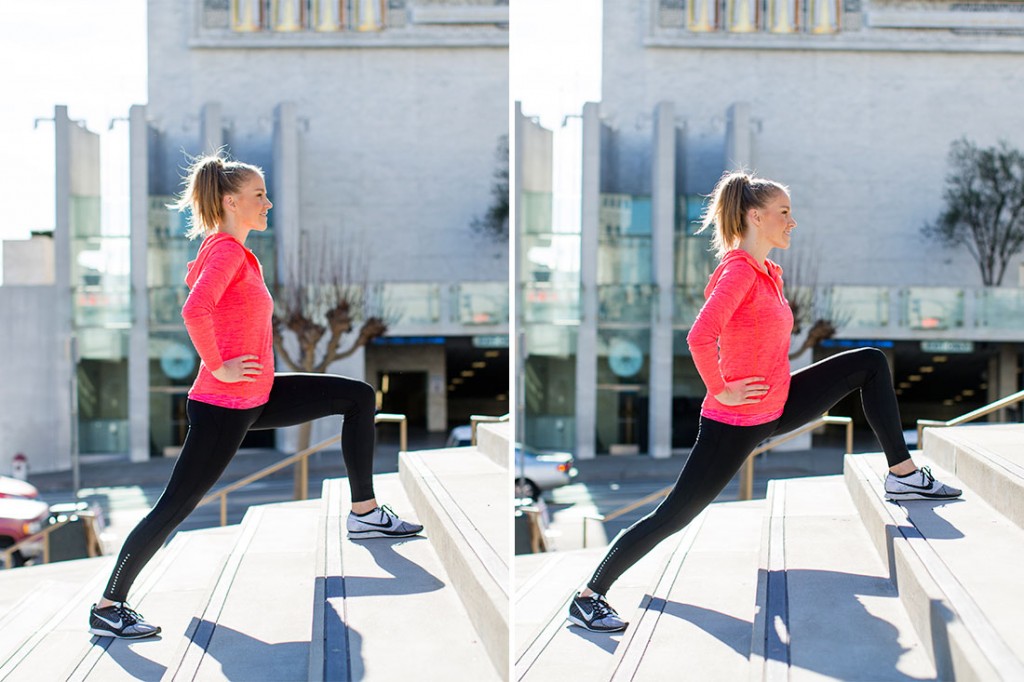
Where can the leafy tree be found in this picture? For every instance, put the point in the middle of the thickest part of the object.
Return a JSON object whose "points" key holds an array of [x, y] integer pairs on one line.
{"points": [[495, 221], [984, 210]]}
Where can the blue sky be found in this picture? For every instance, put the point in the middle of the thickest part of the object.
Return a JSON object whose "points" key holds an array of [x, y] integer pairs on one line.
{"points": [[87, 54]]}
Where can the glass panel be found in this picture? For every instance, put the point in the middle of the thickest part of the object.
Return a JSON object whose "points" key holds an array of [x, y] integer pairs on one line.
{"points": [[246, 15], [1001, 308], [623, 374], [412, 303], [328, 15], [165, 305], [483, 303], [743, 15], [858, 306], [551, 303], [687, 393], [101, 307], [702, 15], [102, 390], [934, 308], [624, 303], [172, 359], [287, 15], [783, 16], [550, 258], [824, 16], [687, 301], [368, 15], [549, 385], [537, 212]]}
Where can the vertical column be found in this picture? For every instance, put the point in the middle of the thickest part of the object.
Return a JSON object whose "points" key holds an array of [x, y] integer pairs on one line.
{"points": [[663, 192], [586, 344], [1007, 376], [211, 128], [138, 342], [64, 363], [738, 145], [518, 160], [285, 189]]}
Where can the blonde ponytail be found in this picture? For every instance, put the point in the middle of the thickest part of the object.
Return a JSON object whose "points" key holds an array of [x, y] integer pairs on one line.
{"points": [[209, 178], [736, 193]]}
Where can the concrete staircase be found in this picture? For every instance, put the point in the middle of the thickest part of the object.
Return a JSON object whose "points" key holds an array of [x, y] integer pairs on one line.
{"points": [[283, 596], [822, 580]]}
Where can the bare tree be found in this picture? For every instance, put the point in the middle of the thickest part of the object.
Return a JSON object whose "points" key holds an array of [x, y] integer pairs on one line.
{"points": [[320, 301], [495, 220], [984, 206], [811, 307]]}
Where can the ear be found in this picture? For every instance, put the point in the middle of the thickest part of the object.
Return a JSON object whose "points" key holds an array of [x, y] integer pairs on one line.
{"points": [[753, 217], [228, 202]]}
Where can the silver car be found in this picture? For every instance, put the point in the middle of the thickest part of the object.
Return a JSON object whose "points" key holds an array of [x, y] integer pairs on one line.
{"points": [[539, 471]]}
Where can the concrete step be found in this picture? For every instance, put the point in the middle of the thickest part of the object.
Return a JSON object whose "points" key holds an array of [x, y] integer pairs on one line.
{"points": [[555, 651], [387, 609], [494, 441], [256, 622], [988, 459], [698, 615], [955, 566], [464, 500], [62, 648], [825, 606]]}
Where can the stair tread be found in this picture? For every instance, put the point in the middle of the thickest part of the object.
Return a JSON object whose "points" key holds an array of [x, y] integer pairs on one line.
{"points": [[705, 611], [977, 544], [845, 617], [397, 593]]}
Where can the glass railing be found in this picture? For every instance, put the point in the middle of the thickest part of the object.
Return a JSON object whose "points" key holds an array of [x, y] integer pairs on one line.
{"points": [[547, 302], [482, 303], [536, 208], [408, 303], [165, 305], [854, 306], [1000, 308], [97, 306], [933, 308], [625, 302]]}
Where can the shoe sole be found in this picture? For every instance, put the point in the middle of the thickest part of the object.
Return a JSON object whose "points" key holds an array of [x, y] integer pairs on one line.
{"points": [[371, 534], [897, 497], [108, 633], [576, 621]]}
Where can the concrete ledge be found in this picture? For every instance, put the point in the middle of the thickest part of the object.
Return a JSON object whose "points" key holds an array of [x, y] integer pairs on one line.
{"points": [[989, 459], [494, 442], [959, 634], [769, 642], [464, 500]]}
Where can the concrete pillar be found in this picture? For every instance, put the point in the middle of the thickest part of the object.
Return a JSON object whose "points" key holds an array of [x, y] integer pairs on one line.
{"points": [[738, 138], [211, 128], [663, 200], [63, 346], [586, 344], [284, 191], [138, 341], [518, 159]]}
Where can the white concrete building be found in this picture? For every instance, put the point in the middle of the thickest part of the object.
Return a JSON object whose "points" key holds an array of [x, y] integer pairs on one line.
{"points": [[854, 106]]}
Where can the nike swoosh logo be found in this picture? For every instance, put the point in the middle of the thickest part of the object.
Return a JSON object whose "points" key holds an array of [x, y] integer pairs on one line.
{"points": [[586, 615], [113, 624], [916, 487], [376, 525]]}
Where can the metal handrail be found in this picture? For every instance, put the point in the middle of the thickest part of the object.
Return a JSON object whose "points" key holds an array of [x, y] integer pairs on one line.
{"points": [[44, 535], [746, 471], [1011, 399], [302, 459], [477, 419]]}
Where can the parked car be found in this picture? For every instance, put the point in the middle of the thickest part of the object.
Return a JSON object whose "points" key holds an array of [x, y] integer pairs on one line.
{"points": [[20, 518], [460, 437], [13, 487], [538, 471]]}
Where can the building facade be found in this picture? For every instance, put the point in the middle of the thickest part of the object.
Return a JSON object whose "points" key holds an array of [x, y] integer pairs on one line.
{"points": [[854, 106]]}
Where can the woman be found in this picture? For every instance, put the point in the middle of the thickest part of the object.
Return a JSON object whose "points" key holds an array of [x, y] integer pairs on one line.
{"points": [[740, 344], [228, 317]]}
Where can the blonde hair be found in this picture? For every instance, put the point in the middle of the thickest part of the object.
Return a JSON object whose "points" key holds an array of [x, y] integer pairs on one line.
{"points": [[736, 193], [209, 178]]}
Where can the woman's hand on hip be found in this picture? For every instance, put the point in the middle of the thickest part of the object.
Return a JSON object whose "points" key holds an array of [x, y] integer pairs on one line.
{"points": [[743, 391], [243, 368]]}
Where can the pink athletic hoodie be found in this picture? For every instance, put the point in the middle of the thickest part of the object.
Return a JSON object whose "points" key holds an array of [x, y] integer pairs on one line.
{"points": [[743, 331], [227, 314]]}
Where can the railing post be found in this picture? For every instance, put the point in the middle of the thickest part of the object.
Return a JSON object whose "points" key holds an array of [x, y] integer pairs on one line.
{"points": [[223, 510], [849, 437], [403, 435], [302, 480], [46, 548], [747, 479]]}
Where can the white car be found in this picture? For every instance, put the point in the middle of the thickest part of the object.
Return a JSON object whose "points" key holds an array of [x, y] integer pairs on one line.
{"points": [[539, 471]]}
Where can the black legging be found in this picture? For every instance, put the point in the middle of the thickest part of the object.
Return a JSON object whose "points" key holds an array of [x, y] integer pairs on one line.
{"points": [[214, 435], [721, 449]]}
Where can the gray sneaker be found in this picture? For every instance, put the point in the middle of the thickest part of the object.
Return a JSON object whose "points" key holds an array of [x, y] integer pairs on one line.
{"points": [[594, 614], [119, 621], [382, 522], [919, 485]]}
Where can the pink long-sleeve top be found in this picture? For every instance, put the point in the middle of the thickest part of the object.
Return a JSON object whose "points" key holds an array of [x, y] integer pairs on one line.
{"points": [[228, 313], [743, 331]]}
